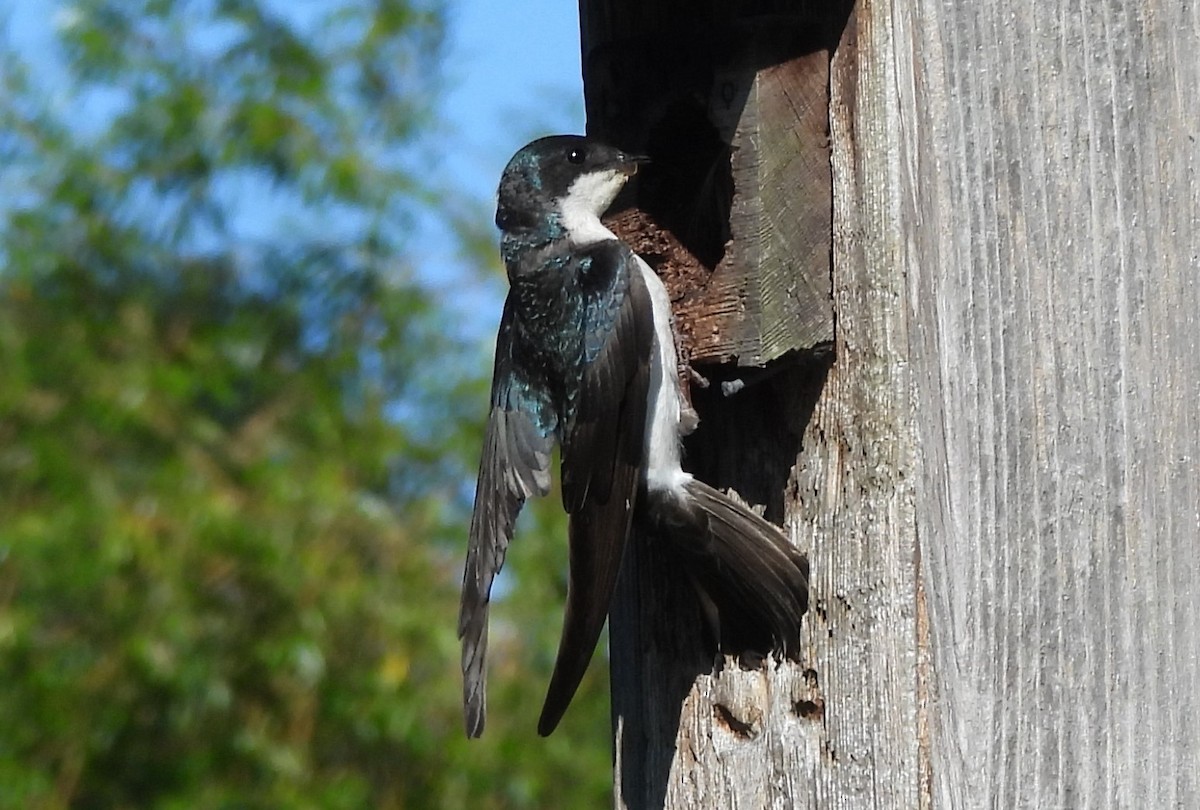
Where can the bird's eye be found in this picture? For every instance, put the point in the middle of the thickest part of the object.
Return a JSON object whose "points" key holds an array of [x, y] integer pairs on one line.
{"points": [[575, 156]]}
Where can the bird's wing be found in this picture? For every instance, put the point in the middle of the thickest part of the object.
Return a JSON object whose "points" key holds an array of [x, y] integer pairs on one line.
{"points": [[602, 450], [515, 465]]}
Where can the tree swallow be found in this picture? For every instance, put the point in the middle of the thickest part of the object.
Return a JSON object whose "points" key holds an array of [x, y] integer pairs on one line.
{"points": [[585, 358]]}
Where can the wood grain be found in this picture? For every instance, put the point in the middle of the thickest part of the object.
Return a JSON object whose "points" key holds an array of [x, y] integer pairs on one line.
{"points": [[852, 495], [770, 292], [1048, 157]]}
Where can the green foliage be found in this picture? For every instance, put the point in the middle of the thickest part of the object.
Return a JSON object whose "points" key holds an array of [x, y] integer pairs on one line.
{"points": [[232, 458]]}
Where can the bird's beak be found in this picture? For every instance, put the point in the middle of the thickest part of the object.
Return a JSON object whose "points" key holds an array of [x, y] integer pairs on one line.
{"points": [[631, 164]]}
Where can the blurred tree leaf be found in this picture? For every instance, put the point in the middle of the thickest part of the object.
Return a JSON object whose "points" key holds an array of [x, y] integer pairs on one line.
{"points": [[236, 434]]}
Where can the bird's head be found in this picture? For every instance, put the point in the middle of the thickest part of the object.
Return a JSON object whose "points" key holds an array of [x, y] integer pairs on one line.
{"points": [[571, 176]]}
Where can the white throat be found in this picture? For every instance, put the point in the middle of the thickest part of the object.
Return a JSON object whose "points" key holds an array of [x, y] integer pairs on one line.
{"points": [[586, 200]]}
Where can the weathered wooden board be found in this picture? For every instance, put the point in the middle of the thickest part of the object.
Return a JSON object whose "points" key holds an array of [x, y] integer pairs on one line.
{"points": [[1048, 155], [770, 292], [734, 210], [852, 497]]}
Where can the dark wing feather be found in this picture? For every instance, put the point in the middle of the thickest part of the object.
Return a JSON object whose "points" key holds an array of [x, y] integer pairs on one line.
{"points": [[749, 577], [515, 465], [617, 334], [601, 462]]}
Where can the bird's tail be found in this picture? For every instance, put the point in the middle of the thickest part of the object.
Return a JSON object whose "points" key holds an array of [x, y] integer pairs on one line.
{"points": [[745, 569]]}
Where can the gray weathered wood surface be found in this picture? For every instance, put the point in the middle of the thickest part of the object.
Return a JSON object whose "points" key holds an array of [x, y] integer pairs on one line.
{"points": [[851, 498], [769, 294], [1047, 160], [999, 482]]}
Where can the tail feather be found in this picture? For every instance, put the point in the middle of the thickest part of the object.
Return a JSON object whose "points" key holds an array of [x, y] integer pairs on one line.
{"points": [[744, 564]]}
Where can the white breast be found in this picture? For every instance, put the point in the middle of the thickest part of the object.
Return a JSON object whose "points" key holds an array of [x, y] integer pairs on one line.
{"points": [[665, 400], [663, 470]]}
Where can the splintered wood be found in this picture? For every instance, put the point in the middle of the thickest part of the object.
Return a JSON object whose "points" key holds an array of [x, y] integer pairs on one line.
{"points": [[768, 293]]}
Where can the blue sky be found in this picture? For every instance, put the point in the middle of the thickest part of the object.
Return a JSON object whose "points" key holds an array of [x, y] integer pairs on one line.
{"points": [[512, 73], [509, 81]]}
